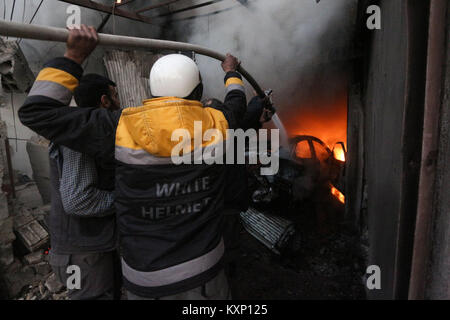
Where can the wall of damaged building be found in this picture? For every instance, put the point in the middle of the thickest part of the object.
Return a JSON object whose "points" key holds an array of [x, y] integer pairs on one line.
{"points": [[54, 13], [438, 277], [393, 102], [24, 267], [383, 161]]}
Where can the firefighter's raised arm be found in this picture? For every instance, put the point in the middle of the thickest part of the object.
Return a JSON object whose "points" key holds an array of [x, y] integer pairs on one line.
{"points": [[235, 102], [46, 109]]}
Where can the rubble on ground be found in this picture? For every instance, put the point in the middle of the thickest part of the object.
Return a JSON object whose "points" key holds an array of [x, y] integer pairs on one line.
{"points": [[29, 231], [25, 273], [33, 282]]}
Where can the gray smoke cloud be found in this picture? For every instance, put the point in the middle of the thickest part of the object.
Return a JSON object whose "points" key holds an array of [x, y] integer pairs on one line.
{"points": [[279, 42], [54, 13]]}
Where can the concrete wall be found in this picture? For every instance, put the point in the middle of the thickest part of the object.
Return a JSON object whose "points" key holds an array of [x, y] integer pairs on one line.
{"points": [[393, 105], [383, 139], [393, 108], [438, 284], [17, 134], [53, 13]]}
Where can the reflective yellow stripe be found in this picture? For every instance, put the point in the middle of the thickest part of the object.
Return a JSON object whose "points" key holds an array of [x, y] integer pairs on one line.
{"points": [[231, 81], [59, 76], [150, 127], [176, 273]]}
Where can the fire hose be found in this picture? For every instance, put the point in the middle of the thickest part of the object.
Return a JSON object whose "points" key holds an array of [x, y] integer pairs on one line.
{"points": [[36, 32]]}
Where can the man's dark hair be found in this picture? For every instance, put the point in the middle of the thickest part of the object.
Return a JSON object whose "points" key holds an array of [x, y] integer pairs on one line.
{"points": [[90, 90]]}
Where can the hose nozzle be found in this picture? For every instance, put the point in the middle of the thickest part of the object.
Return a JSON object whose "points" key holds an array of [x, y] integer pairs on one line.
{"points": [[268, 103]]}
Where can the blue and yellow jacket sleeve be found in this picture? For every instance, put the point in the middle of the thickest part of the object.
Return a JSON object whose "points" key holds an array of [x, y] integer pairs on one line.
{"points": [[235, 103], [46, 111]]}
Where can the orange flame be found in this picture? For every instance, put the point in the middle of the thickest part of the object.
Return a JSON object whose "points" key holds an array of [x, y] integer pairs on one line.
{"points": [[337, 194], [323, 118], [339, 154]]}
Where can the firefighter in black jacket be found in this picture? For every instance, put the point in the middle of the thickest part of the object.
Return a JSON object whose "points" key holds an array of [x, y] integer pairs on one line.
{"points": [[168, 215]]}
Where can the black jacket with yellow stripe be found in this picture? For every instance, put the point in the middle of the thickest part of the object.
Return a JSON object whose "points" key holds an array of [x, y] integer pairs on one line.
{"points": [[168, 215]]}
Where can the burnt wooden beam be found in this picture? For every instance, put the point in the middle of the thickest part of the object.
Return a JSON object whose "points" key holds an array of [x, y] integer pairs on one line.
{"points": [[200, 5], [155, 6], [109, 9], [123, 3], [106, 18]]}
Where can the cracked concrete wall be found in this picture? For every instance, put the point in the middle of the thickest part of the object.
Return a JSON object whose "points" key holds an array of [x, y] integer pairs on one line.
{"points": [[16, 74], [53, 13], [16, 79]]}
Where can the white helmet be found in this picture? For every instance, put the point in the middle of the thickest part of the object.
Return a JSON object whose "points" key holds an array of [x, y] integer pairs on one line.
{"points": [[174, 75]]}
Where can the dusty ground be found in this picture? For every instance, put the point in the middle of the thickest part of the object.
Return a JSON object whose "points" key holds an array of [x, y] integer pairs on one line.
{"points": [[326, 267]]}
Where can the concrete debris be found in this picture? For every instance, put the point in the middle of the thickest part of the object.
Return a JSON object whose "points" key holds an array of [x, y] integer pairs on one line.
{"points": [[42, 269], [60, 296], [45, 288], [28, 195], [33, 235], [24, 277], [34, 281], [53, 284], [34, 257], [6, 255], [22, 218], [30, 232], [40, 213], [22, 281], [18, 280], [16, 265], [27, 213], [16, 74], [6, 231]]}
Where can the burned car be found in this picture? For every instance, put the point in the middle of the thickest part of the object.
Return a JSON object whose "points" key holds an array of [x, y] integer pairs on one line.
{"points": [[307, 166], [308, 171]]}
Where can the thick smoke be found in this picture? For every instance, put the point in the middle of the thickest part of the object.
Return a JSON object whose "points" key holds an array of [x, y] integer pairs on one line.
{"points": [[298, 48], [277, 41], [54, 13]]}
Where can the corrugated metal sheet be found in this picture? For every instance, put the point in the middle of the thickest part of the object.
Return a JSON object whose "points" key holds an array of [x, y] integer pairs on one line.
{"points": [[274, 232], [130, 70]]}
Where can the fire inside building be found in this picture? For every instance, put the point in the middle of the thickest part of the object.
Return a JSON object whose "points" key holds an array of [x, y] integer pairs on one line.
{"points": [[357, 90]]}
